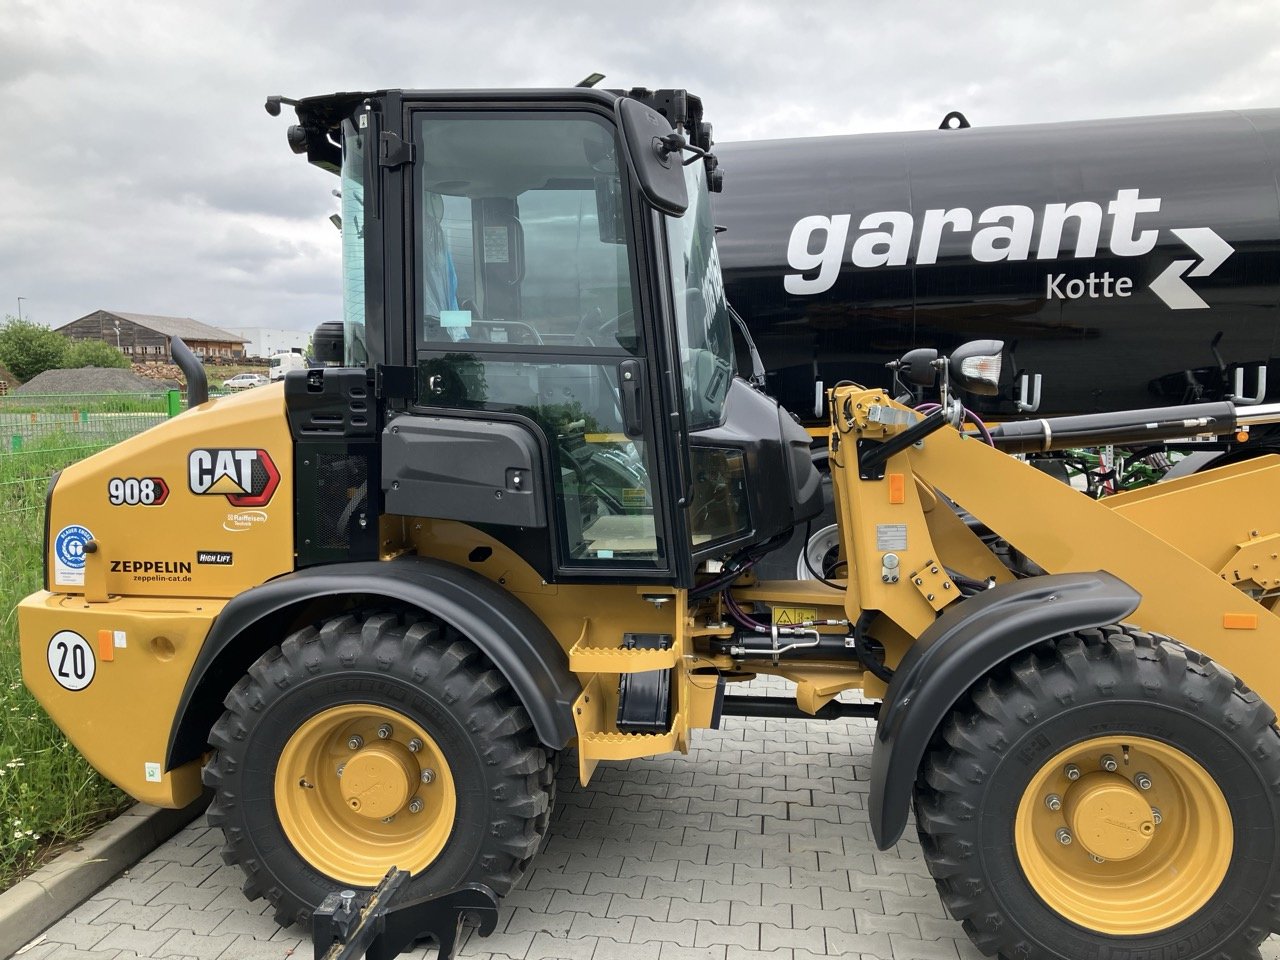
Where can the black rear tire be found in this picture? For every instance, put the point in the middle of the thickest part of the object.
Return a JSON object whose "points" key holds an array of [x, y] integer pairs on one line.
{"points": [[1112, 682], [426, 672]]}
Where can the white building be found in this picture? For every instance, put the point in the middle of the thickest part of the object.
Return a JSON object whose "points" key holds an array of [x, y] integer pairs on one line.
{"points": [[265, 341]]}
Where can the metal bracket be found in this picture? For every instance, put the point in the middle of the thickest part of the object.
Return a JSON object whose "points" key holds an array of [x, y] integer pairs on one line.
{"points": [[351, 924], [1023, 404], [396, 383], [1255, 566], [1239, 398], [392, 151], [934, 584]]}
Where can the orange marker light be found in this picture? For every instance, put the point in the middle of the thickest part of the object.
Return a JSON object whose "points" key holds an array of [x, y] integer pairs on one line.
{"points": [[106, 645], [1240, 621], [897, 488]]}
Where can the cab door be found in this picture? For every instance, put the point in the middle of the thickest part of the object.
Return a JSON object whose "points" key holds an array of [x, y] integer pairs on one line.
{"points": [[529, 302]]}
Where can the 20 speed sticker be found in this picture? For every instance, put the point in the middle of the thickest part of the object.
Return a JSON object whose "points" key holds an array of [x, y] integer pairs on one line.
{"points": [[71, 660], [68, 555], [137, 491]]}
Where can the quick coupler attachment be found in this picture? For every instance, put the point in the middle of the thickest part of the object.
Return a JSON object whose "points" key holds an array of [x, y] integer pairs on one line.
{"points": [[380, 925]]}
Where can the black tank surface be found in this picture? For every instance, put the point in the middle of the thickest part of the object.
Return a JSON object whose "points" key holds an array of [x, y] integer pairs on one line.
{"points": [[1131, 263]]}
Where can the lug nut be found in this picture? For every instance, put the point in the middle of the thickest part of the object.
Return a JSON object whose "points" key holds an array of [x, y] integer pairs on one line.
{"points": [[1072, 772], [415, 745], [1109, 764], [384, 731], [1143, 781], [356, 742], [415, 805], [1096, 859], [1156, 816], [1064, 836], [388, 819], [428, 776], [341, 767], [1053, 802]]}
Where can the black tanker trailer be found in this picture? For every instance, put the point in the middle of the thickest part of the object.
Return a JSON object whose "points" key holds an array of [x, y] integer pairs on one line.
{"points": [[1128, 263]]}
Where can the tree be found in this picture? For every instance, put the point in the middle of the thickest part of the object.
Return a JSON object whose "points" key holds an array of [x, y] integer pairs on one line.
{"points": [[94, 353], [27, 348]]}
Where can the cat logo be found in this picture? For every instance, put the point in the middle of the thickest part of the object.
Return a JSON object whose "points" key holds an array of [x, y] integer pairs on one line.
{"points": [[247, 478]]}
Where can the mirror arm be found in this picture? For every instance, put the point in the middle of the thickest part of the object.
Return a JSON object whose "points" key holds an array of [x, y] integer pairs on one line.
{"points": [[676, 143]]}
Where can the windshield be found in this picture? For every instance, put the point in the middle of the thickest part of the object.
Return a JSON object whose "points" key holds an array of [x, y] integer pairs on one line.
{"points": [[356, 354], [702, 316]]}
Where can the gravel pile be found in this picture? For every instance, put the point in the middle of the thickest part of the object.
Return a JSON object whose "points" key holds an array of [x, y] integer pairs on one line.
{"points": [[93, 380]]}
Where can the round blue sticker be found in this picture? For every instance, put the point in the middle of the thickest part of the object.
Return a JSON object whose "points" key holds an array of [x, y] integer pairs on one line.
{"points": [[69, 546]]}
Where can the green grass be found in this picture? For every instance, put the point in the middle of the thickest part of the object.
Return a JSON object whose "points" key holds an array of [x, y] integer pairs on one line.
{"points": [[49, 795]]}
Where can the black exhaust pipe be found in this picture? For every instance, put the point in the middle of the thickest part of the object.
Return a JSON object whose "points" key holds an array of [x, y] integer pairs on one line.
{"points": [[192, 369]]}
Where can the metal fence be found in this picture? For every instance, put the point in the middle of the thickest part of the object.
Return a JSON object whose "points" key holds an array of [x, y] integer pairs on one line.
{"points": [[79, 422], [40, 434]]}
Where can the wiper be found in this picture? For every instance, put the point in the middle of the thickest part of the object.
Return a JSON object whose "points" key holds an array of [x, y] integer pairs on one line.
{"points": [[757, 365]]}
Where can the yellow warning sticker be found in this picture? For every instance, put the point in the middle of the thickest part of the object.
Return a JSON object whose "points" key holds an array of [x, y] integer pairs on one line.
{"points": [[793, 615]]}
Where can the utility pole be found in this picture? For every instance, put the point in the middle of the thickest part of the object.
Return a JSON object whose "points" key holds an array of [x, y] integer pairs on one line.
{"points": [[20, 299]]}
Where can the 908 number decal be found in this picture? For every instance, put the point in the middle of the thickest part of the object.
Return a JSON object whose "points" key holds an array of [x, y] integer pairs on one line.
{"points": [[137, 491]]}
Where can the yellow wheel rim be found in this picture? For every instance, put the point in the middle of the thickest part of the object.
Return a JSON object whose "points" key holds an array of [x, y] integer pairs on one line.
{"points": [[1126, 851], [361, 788]]}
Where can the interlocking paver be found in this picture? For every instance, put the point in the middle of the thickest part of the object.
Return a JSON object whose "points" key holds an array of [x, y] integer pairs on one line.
{"points": [[546, 947], [139, 915], [184, 943], [80, 935], [145, 942], [775, 938], [756, 847]]}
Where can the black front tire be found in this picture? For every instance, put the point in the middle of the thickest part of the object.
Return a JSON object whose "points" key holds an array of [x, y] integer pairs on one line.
{"points": [[1112, 681], [503, 775]]}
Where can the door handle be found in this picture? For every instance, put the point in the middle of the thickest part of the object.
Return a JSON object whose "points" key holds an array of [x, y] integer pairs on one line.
{"points": [[629, 389]]}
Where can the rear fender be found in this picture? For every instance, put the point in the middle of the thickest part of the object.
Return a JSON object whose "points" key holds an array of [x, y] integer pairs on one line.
{"points": [[959, 649]]}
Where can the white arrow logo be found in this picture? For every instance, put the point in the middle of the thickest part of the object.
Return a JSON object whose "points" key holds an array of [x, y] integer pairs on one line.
{"points": [[1212, 250]]}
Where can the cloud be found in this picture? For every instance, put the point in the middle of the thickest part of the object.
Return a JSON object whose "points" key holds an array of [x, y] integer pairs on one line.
{"points": [[141, 173]]}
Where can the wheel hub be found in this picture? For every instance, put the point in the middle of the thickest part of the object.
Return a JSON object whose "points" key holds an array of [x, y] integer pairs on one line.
{"points": [[1124, 836], [361, 787], [1109, 816], [379, 780]]}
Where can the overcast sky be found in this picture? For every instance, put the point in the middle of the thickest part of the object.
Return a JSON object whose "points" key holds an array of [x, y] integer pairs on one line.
{"points": [[140, 173]]}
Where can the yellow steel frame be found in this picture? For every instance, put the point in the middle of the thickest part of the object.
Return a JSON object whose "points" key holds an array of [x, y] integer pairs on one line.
{"points": [[1199, 550]]}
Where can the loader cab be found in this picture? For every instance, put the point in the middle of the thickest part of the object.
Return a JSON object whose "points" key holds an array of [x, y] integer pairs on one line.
{"points": [[542, 305]]}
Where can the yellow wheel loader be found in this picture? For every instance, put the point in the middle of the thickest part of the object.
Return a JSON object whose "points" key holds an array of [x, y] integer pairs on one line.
{"points": [[515, 512]]}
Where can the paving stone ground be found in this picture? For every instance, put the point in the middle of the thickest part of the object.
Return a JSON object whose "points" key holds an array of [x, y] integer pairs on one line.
{"points": [[755, 846]]}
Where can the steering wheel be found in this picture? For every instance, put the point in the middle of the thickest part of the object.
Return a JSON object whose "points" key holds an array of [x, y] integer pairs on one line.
{"points": [[596, 330]]}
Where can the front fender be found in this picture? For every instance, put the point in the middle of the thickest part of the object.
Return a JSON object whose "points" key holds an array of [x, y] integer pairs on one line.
{"points": [[507, 632], [959, 649]]}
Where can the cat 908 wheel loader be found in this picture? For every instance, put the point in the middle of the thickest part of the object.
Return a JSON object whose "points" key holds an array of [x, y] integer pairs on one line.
{"points": [[517, 513]]}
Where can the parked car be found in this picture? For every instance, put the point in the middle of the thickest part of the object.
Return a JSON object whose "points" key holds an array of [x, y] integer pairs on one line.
{"points": [[242, 381]]}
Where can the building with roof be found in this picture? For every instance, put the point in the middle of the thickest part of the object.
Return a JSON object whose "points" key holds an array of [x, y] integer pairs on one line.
{"points": [[142, 336]]}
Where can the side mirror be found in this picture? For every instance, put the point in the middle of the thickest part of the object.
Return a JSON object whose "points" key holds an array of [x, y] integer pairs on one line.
{"points": [[657, 169], [975, 366]]}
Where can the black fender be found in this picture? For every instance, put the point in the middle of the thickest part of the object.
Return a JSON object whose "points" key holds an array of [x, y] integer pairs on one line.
{"points": [[508, 632], [959, 649]]}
